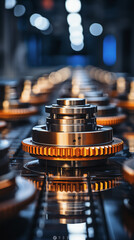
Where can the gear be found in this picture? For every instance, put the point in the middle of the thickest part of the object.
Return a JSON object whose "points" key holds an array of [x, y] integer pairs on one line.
{"points": [[18, 113], [111, 120], [71, 134], [129, 105], [72, 153]]}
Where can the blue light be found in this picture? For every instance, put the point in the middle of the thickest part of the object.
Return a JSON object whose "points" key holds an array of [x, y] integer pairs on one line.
{"points": [[77, 60], [109, 50]]}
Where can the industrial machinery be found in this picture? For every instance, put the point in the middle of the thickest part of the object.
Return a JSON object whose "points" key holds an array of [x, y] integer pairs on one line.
{"points": [[82, 172]]}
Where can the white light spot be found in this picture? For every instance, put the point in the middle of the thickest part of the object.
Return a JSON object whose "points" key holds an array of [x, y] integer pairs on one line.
{"points": [[33, 18], [96, 29], [73, 6], [42, 23], [76, 40], [19, 10], [10, 4], [77, 48], [74, 19], [75, 28], [77, 228]]}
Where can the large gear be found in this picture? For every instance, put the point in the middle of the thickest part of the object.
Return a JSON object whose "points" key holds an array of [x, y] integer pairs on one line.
{"points": [[71, 134], [72, 153]]}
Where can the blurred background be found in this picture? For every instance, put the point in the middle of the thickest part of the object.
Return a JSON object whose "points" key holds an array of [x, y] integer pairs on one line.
{"points": [[44, 33]]}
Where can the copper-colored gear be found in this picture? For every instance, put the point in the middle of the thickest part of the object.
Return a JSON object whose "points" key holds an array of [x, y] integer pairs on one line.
{"points": [[129, 105], [39, 99], [55, 186], [17, 113], [3, 124], [111, 120], [72, 153], [71, 134]]}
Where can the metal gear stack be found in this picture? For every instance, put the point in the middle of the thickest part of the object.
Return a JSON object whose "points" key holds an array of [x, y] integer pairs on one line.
{"points": [[71, 135]]}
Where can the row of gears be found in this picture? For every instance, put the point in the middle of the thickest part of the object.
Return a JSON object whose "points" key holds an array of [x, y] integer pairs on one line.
{"points": [[73, 137], [19, 98]]}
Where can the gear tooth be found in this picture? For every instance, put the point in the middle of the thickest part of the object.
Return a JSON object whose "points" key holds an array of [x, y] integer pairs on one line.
{"points": [[116, 148], [45, 151], [49, 151], [80, 152], [37, 150], [41, 151], [63, 152], [34, 150], [113, 149], [77, 152], [52, 152], [110, 150], [58, 152], [69, 152], [84, 152], [96, 151], [106, 150], [102, 150], [92, 151], [72, 152]]}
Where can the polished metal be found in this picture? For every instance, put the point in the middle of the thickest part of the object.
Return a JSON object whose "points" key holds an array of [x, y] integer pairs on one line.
{"points": [[71, 134]]}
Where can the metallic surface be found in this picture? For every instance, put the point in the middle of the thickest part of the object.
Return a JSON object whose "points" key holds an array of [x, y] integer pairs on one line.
{"points": [[65, 138], [76, 153], [103, 135]]}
